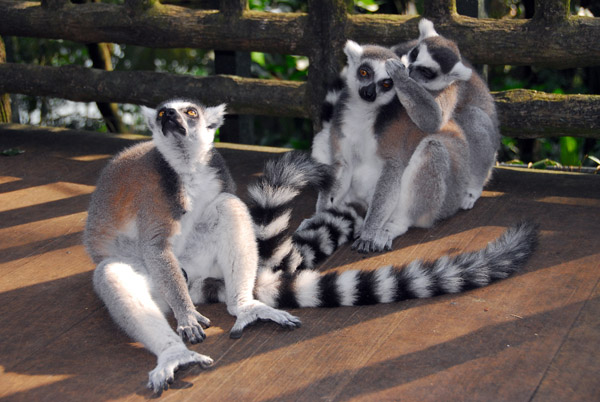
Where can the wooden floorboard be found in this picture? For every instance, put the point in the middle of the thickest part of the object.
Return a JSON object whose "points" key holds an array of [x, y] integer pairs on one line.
{"points": [[534, 336]]}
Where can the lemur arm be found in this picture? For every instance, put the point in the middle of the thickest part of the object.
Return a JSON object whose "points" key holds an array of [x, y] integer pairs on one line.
{"points": [[423, 109], [384, 202], [165, 271]]}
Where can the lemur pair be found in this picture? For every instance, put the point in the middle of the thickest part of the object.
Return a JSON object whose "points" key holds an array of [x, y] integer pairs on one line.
{"points": [[412, 133], [168, 233]]}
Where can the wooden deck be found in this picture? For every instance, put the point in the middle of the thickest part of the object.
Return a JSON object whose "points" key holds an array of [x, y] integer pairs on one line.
{"points": [[535, 336]]}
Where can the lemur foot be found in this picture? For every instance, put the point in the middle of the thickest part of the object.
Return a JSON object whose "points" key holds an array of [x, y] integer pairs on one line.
{"points": [[397, 70], [170, 361], [469, 198], [190, 327], [257, 310], [373, 241]]}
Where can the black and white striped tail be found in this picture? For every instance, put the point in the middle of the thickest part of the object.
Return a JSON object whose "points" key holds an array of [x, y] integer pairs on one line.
{"points": [[319, 236], [271, 206], [310, 288]]}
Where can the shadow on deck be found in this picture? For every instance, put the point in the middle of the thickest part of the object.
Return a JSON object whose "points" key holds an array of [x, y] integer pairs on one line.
{"points": [[533, 336]]}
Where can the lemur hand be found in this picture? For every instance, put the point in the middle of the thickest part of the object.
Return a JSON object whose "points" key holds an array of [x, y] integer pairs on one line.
{"points": [[397, 70], [373, 241], [190, 327]]}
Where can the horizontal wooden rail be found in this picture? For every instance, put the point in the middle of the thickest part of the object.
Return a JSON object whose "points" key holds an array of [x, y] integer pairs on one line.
{"points": [[574, 43], [532, 114], [523, 113], [571, 42], [242, 95]]}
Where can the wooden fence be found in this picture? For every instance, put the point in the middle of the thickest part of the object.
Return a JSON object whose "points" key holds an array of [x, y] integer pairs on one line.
{"points": [[553, 38]]}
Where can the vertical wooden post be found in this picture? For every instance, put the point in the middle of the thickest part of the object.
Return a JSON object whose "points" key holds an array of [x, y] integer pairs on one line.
{"points": [[552, 11], [237, 128], [5, 111], [326, 32], [439, 9], [101, 59]]}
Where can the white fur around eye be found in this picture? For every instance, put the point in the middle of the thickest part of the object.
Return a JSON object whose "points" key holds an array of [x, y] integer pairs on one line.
{"points": [[424, 59]]}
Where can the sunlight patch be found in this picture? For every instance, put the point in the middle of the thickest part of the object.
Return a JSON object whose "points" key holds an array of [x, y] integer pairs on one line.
{"points": [[39, 195]]}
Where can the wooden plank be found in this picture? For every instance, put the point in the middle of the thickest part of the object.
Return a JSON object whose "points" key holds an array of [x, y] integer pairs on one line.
{"points": [[565, 380], [534, 335]]}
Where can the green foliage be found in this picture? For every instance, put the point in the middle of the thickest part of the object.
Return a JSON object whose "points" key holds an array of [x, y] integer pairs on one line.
{"points": [[570, 149], [285, 6], [11, 152], [277, 66]]}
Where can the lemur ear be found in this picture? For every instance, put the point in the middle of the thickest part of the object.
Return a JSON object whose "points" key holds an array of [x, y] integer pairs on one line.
{"points": [[150, 116], [215, 116], [460, 72], [353, 50], [426, 29]]}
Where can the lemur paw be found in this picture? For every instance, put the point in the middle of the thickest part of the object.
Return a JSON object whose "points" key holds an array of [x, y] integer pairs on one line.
{"points": [[190, 328], [396, 69], [170, 361], [373, 241], [469, 198], [257, 310]]}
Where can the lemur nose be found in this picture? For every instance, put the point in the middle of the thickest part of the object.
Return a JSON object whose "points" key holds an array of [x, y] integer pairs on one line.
{"points": [[170, 112]]}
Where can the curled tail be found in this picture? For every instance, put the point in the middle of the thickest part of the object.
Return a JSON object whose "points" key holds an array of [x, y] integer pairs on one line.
{"points": [[319, 236], [310, 288], [271, 206]]}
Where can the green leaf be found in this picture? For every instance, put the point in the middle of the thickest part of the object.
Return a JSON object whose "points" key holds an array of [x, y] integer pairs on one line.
{"points": [[569, 151], [12, 152], [258, 58]]}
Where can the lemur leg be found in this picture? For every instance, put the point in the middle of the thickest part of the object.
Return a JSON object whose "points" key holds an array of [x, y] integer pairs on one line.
{"points": [[373, 235], [136, 307], [483, 139], [423, 189], [239, 266]]}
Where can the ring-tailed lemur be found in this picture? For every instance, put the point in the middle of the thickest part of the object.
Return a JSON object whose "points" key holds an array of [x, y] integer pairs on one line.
{"points": [[428, 62], [164, 215], [374, 132]]}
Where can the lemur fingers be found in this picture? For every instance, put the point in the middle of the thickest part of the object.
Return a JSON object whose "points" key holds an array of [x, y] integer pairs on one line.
{"points": [[377, 241], [191, 328], [170, 361], [397, 70], [255, 311]]}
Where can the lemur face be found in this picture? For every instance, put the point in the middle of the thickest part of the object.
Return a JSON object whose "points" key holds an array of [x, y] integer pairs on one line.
{"points": [[177, 118], [184, 120], [435, 61], [366, 74]]}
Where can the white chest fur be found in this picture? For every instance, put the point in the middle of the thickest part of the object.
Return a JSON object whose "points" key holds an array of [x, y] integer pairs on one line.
{"points": [[359, 151], [201, 187]]}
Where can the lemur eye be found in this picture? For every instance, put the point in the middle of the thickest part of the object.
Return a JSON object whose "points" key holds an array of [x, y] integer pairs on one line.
{"points": [[192, 112], [427, 73], [363, 72], [387, 84], [161, 113]]}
